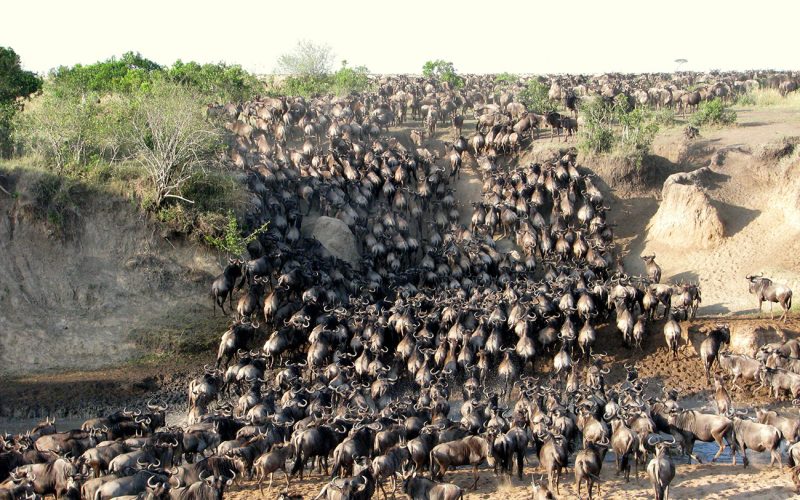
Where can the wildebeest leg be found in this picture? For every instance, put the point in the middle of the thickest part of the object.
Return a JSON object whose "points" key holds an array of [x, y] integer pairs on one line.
{"points": [[719, 439], [475, 476], [776, 454]]}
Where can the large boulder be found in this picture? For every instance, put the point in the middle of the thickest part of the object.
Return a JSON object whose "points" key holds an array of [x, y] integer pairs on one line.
{"points": [[685, 216], [336, 237]]}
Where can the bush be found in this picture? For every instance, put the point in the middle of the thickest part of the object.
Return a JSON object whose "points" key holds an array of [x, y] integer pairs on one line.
{"points": [[506, 78], [612, 126], [348, 80], [171, 138], [58, 130], [597, 133], [232, 242], [443, 71], [713, 112], [535, 97]]}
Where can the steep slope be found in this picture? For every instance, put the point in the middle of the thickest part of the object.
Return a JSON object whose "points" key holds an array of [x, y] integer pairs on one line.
{"points": [[87, 289]]}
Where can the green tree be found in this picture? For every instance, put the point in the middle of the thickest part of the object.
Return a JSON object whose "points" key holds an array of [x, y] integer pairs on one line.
{"points": [[535, 97], [129, 73], [443, 71], [58, 129], [348, 79], [15, 83], [220, 81], [308, 59]]}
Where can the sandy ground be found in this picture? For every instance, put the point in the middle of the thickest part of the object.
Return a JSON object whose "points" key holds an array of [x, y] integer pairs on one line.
{"points": [[709, 481], [757, 238]]}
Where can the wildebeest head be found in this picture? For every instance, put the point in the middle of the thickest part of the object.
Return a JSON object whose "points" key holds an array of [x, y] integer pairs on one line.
{"points": [[757, 282]]}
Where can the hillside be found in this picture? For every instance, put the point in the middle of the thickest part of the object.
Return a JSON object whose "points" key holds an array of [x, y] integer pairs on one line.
{"points": [[92, 284]]}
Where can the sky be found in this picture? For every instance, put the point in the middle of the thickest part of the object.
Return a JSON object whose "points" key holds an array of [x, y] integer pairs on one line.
{"points": [[398, 37]]}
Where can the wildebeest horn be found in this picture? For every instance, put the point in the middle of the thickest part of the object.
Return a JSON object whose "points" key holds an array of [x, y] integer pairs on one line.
{"points": [[150, 482], [651, 441]]}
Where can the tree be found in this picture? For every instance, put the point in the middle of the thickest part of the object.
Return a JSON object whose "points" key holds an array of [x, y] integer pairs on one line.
{"points": [[443, 71], [307, 60], [129, 73], [171, 138], [348, 79], [535, 97], [14, 84]]}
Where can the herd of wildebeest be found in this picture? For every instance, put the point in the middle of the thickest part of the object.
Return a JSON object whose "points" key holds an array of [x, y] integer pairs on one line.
{"points": [[438, 347]]}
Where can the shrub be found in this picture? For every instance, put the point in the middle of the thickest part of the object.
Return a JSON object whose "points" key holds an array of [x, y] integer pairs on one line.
{"points": [[232, 242], [597, 133], [534, 97], [506, 78], [58, 130], [348, 80], [713, 112], [171, 138]]}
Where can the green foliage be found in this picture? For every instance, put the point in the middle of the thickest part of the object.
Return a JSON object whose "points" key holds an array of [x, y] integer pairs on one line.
{"points": [[345, 81], [506, 78], [15, 83], [665, 117], [221, 81], [713, 112], [443, 71], [307, 86], [612, 125], [308, 59], [746, 99], [133, 73], [232, 242], [58, 129], [127, 74], [639, 129], [348, 80], [534, 97]]}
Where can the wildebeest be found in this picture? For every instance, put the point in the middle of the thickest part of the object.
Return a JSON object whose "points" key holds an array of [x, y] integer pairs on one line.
{"points": [[419, 488], [661, 469], [739, 365], [588, 463], [764, 290], [758, 437], [692, 425], [270, 462], [709, 348], [471, 450], [789, 427], [653, 269], [223, 286]]}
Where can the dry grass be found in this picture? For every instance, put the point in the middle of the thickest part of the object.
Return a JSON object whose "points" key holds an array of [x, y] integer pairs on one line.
{"points": [[769, 97]]}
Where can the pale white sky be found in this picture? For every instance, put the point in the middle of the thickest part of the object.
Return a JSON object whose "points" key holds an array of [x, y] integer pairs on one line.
{"points": [[399, 36]]}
